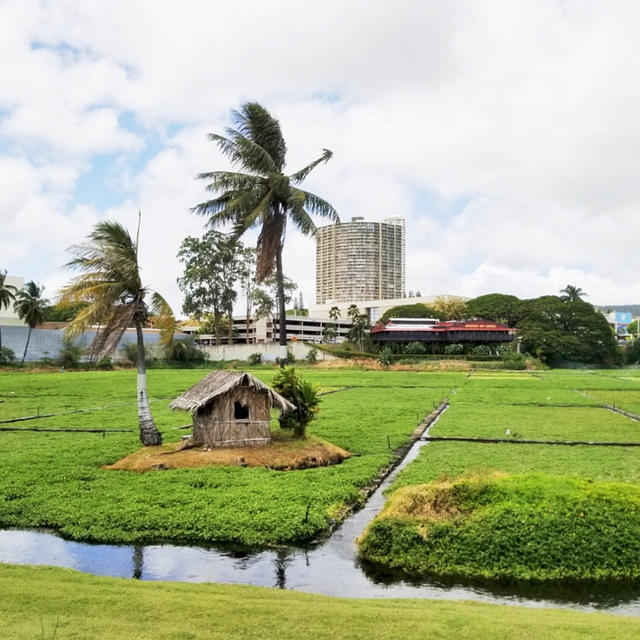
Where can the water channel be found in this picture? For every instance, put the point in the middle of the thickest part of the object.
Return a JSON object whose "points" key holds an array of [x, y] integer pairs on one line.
{"points": [[330, 568]]}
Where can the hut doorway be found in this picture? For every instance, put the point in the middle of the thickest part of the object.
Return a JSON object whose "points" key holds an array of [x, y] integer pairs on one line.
{"points": [[240, 411]]}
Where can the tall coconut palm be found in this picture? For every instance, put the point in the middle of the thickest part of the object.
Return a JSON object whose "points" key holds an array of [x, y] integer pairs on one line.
{"points": [[7, 295], [261, 194], [31, 308], [110, 285], [571, 293]]}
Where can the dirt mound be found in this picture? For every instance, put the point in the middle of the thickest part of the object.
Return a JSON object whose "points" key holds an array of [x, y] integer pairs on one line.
{"points": [[283, 454]]}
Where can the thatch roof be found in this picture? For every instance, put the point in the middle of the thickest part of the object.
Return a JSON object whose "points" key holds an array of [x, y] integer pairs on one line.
{"points": [[217, 383]]}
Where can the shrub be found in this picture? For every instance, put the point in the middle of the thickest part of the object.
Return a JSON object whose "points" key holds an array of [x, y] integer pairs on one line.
{"points": [[454, 349], [6, 355], [254, 358], [414, 348], [385, 356], [185, 351], [70, 353], [513, 360], [312, 355], [129, 351], [481, 350], [303, 394], [104, 364]]}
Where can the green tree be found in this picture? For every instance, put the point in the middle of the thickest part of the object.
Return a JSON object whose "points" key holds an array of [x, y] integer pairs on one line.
{"points": [[301, 393], [265, 297], [31, 308], [334, 313], [556, 330], [498, 307], [359, 326], [451, 307], [212, 265], [261, 194], [571, 293], [109, 282], [329, 332], [416, 310], [7, 295]]}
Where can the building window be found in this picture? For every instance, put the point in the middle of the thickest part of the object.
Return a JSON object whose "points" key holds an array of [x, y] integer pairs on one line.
{"points": [[374, 314], [241, 411]]}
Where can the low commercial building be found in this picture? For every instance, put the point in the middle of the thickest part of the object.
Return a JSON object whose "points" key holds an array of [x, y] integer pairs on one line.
{"points": [[266, 330], [430, 330]]}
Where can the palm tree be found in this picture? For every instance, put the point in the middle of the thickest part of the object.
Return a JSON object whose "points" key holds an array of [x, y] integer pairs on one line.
{"points": [[262, 194], [110, 285], [572, 294], [7, 295], [31, 308]]}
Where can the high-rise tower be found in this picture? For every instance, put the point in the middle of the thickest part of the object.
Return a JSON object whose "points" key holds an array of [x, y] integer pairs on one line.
{"points": [[360, 260]]}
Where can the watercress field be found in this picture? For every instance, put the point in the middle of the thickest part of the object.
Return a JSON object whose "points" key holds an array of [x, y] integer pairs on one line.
{"points": [[55, 480], [533, 512]]}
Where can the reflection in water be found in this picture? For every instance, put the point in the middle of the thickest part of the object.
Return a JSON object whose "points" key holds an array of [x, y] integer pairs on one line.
{"points": [[138, 557], [331, 568]]}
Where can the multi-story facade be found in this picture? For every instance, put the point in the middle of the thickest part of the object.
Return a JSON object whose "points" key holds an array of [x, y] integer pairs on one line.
{"points": [[360, 260]]}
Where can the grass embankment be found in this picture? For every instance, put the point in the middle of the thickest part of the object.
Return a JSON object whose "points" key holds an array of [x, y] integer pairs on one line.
{"points": [[108, 608], [530, 527], [526, 527], [55, 480], [285, 453]]}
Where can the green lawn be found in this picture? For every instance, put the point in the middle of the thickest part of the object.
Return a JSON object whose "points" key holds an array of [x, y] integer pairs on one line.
{"points": [[108, 608], [55, 479]]}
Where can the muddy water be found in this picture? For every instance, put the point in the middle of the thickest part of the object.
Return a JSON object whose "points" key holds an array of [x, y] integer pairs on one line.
{"points": [[331, 568]]}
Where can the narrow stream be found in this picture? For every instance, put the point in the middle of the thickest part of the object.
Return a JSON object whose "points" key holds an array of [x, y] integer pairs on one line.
{"points": [[331, 568]]}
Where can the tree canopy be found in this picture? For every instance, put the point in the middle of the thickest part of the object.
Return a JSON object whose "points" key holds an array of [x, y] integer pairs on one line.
{"points": [[416, 310]]}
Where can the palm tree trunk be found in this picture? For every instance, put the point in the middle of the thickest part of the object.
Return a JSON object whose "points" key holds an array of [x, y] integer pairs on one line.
{"points": [[247, 338], [230, 333], [149, 434], [0, 337], [282, 318], [26, 346]]}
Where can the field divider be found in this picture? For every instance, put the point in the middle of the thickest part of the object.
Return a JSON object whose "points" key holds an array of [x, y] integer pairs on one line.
{"points": [[326, 393], [39, 416], [611, 407], [566, 443], [62, 430]]}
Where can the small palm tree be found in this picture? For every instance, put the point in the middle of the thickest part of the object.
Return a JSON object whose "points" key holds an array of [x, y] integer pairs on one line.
{"points": [[262, 195], [571, 293], [7, 295], [111, 287], [31, 308]]}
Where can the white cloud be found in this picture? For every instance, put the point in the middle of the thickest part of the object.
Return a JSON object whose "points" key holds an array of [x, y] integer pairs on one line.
{"points": [[527, 111]]}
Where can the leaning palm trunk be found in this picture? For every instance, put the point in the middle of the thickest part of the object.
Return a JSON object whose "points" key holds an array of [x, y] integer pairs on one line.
{"points": [[26, 346], [149, 434], [282, 323]]}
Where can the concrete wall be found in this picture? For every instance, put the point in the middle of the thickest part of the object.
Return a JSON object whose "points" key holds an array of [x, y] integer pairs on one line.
{"points": [[269, 351], [48, 342]]}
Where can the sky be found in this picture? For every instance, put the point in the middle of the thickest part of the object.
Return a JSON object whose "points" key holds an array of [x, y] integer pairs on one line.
{"points": [[505, 133]]}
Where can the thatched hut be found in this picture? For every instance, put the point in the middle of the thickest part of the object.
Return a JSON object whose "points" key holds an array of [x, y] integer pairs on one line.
{"points": [[231, 409]]}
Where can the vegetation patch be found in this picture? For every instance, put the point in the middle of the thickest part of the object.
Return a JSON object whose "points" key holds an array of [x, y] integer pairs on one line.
{"points": [[285, 453], [531, 527]]}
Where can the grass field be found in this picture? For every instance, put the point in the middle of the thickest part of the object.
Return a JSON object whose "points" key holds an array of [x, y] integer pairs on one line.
{"points": [[108, 608], [55, 480]]}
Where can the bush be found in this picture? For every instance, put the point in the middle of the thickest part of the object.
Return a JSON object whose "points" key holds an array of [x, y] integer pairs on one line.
{"points": [[104, 364], [481, 350], [303, 394], [312, 355], [414, 348], [6, 355], [70, 353], [454, 349], [513, 360], [385, 357], [185, 351], [254, 359]]}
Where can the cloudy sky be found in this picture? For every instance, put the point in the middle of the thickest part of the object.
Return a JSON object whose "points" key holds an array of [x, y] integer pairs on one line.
{"points": [[506, 133]]}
